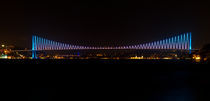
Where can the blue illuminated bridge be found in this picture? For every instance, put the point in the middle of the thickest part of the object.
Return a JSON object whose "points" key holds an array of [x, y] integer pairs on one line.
{"points": [[180, 42]]}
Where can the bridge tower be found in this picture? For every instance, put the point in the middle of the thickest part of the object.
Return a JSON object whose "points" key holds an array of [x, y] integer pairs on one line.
{"points": [[34, 47]]}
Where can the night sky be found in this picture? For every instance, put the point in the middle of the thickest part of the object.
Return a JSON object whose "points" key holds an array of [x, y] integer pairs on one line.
{"points": [[105, 23]]}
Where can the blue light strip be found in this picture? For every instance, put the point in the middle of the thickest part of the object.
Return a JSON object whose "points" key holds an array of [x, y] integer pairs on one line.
{"points": [[151, 44], [161, 46], [56, 45], [48, 45], [190, 43], [61, 46], [164, 44], [68, 46], [32, 42], [175, 44], [155, 45], [35, 42], [169, 42], [178, 42], [44, 45], [172, 42], [184, 41], [53, 45], [35, 46], [146, 46], [38, 44], [181, 42], [187, 41]]}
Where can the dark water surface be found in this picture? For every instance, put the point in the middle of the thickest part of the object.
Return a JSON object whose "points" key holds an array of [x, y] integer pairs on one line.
{"points": [[159, 86], [175, 81]]}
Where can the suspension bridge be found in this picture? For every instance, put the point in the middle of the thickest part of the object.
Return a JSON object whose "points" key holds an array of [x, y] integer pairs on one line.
{"points": [[182, 42]]}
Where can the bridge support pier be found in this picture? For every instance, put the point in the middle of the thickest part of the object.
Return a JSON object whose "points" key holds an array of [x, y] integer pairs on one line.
{"points": [[34, 54]]}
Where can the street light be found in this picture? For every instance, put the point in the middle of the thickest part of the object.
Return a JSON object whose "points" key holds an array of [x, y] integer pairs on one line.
{"points": [[2, 45]]}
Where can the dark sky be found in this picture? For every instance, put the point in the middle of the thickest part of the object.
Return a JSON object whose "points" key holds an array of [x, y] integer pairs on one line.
{"points": [[103, 23]]}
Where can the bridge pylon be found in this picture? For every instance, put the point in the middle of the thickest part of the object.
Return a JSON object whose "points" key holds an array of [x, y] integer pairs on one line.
{"points": [[34, 47]]}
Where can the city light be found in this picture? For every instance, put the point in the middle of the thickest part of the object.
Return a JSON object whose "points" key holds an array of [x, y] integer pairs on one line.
{"points": [[167, 58], [3, 57], [196, 57], [136, 57]]}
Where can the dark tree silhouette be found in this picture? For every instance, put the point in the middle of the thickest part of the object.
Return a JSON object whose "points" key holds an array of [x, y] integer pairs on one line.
{"points": [[205, 51]]}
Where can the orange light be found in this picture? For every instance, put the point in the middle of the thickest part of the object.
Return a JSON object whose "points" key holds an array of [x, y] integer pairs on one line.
{"points": [[136, 57], [198, 58], [167, 58]]}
